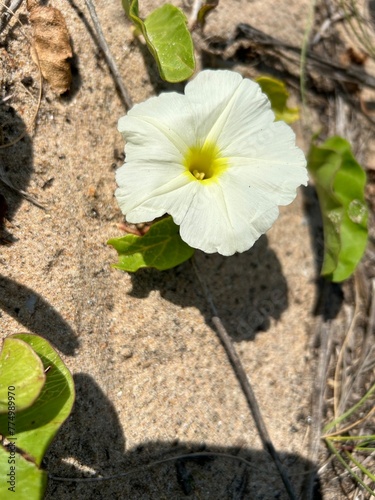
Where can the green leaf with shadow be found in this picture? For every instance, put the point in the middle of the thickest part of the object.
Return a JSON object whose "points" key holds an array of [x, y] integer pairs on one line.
{"points": [[21, 369], [161, 247], [25, 482], [36, 426], [278, 95], [168, 39], [340, 183]]}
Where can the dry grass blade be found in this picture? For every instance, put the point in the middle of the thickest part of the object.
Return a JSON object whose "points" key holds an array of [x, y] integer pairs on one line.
{"points": [[10, 10], [359, 21], [325, 335], [354, 353], [35, 114], [3, 175], [350, 432]]}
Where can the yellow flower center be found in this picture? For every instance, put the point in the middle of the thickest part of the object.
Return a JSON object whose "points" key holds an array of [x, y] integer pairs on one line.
{"points": [[204, 163]]}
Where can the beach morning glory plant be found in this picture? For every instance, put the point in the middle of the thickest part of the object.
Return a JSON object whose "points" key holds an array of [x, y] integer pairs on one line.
{"points": [[213, 158]]}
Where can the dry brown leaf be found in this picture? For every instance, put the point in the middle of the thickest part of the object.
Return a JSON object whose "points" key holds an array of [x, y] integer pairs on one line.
{"points": [[51, 47]]}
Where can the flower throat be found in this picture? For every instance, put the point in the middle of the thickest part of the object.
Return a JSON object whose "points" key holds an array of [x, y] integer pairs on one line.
{"points": [[204, 163]]}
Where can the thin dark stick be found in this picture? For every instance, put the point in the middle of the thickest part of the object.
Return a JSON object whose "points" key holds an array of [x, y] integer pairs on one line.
{"points": [[107, 54], [4, 179], [246, 386]]}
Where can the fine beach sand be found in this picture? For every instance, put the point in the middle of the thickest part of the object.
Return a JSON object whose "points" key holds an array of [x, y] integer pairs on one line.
{"points": [[151, 376]]}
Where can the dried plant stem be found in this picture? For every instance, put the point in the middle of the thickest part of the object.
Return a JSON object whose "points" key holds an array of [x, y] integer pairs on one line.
{"points": [[245, 385], [344, 430], [3, 176], [33, 120], [304, 50], [327, 23], [317, 404], [340, 397], [329, 68], [11, 9], [367, 343], [4, 179], [108, 56]]}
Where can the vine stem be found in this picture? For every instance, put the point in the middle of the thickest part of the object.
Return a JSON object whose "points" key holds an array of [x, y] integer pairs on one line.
{"points": [[188, 456], [245, 384]]}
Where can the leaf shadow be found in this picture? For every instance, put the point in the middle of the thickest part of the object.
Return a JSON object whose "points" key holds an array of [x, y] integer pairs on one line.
{"points": [[329, 296], [37, 315], [92, 442], [248, 289]]}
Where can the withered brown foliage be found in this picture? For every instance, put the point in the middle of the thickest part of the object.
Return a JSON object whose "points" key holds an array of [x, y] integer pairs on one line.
{"points": [[51, 47]]}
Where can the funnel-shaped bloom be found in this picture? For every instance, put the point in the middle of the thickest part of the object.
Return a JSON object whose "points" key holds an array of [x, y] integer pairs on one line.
{"points": [[213, 158]]}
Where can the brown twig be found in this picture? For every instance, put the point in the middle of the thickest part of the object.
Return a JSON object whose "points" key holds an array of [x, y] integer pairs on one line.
{"points": [[108, 56], [327, 23], [4, 179], [329, 68]]}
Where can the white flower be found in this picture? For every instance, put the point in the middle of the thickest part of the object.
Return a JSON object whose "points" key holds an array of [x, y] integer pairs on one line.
{"points": [[214, 159]]}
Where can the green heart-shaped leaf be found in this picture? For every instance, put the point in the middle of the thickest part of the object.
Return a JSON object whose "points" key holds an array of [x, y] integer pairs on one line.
{"points": [[35, 427], [168, 39], [162, 248], [20, 478], [278, 95], [340, 183], [21, 375]]}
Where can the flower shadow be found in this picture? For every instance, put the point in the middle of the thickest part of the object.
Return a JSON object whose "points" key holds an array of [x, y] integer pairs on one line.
{"points": [[248, 289], [37, 315], [92, 443]]}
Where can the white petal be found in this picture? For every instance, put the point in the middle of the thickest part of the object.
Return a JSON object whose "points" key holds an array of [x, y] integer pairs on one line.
{"points": [[277, 171], [174, 198], [154, 164], [147, 191], [208, 95], [246, 115], [162, 115], [227, 217], [146, 143], [138, 182]]}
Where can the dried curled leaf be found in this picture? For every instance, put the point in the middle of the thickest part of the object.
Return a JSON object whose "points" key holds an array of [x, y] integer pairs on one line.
{"points": [[51, 47]]}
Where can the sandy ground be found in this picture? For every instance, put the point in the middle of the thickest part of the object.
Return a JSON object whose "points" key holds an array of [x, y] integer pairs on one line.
{"points": [[152, 378]]}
